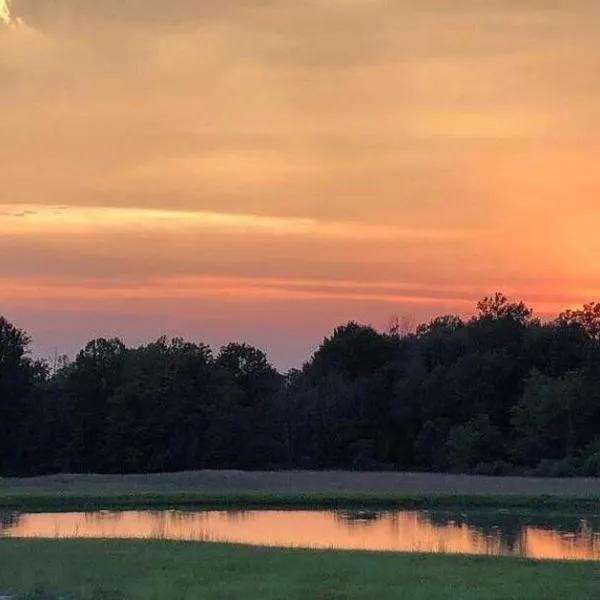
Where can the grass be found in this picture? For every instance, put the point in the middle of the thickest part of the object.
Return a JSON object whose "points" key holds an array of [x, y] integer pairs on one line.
{"points": [[140, 501], [156, 570], [128, 570], [298, 489]]}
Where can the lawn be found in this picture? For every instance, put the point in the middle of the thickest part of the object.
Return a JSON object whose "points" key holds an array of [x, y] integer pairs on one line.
{"points": [[156, 570]]}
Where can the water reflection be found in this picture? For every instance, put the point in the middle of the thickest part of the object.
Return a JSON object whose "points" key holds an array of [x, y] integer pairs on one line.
{"points": [[8, 520], [480, 533], [358, 516]]}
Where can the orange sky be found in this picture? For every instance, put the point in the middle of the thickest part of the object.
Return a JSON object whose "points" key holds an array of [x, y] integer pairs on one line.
{"points": [[262, 171]]}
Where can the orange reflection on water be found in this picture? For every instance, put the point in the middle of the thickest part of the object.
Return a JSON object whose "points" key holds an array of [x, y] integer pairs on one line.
{"points": [[399, 532], [541, 543]]}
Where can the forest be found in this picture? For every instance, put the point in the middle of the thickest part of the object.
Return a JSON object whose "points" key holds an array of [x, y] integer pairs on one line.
{"points": [[500, 393]]}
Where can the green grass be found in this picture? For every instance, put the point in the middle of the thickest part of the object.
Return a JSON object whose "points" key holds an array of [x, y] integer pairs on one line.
{"points": [[59, 501], [106, 570], [297, 489]]}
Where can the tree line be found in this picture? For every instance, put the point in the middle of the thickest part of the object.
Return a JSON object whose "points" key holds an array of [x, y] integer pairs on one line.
{"points": [[500, 393]]}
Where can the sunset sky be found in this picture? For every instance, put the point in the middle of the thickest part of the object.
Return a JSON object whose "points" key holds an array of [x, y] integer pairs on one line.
{"points": [[262, 170]]}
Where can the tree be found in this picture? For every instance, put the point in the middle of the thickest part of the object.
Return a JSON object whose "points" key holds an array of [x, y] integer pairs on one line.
{"points": [[353, 351], [586, 318], [92, 380], [257, 421], [554, 348], [550, 420], [443, 325], [159, 413], [474, 444], [250, 369], [499, 307], [442, 341], [499, 325], [17, 377], [401, 326], [454, 395]]}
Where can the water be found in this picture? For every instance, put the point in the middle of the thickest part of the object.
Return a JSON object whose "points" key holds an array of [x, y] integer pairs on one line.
{"points": [[540, 537]]}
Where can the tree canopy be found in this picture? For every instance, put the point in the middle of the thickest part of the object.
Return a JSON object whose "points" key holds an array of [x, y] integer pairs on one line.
{"points": [[499, 393]]}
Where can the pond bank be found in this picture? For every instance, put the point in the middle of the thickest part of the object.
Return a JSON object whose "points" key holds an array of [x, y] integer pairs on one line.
{"points": [[297, 489]]}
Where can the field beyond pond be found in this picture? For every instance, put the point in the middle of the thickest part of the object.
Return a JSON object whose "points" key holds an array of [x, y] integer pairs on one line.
{"points": [[295, 482], [296, 488], [111, 570]]}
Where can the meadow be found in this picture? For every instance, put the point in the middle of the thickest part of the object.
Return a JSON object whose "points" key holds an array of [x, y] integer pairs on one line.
{"points": [[318, 489], [127, 570], [157, 570]]}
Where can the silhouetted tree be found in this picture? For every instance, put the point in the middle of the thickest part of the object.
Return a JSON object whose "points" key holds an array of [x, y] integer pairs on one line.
{"points": [[93, 378], [586, 318], [18, 375], [499, 392]]}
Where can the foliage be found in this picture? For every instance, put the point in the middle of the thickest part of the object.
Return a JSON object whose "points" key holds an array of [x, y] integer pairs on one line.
{"points": [[586, 318], [18, 377], [474, 443], [499, 393]]}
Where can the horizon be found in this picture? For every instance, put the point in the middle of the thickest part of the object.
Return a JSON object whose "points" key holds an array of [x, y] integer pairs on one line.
{"points": [[264, 173], [403, 324]]}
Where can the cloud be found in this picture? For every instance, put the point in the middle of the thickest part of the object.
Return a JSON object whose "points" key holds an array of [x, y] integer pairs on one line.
{"points": [[66, 219], [69, 292], [5, 16], [305, 109], [139, 245], [365, 111], [435, 143]]}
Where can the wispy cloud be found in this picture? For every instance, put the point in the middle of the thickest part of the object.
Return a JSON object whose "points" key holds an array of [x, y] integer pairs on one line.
{"points": [[57, 219], [5, 16], [68, 292]]}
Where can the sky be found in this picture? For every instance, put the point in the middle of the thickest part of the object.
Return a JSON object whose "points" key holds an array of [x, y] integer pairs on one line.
{"points": [[262, 171]]}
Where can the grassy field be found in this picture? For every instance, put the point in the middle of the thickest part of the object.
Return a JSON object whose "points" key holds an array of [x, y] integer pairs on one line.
{"points": [[324, 489], [182, 571]]}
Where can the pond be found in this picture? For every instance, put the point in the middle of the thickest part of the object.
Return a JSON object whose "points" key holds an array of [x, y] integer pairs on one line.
{"points": [[498, 533]]}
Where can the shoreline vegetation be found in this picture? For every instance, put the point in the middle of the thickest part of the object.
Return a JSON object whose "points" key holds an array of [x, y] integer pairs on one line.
{"points": [[128, 570], [298, 489]]}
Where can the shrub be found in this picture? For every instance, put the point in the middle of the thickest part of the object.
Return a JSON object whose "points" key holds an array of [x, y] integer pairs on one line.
{"points": [[591, 465], [497, 467], [565, 467]]}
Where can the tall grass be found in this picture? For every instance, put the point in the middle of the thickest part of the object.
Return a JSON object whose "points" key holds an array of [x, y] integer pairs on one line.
{"points": [[57, 501]]}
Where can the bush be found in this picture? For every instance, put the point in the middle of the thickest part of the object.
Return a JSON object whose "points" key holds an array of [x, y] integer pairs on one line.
{"points": [[565, 467], [591, 465], [497, 468], [476, 442]]}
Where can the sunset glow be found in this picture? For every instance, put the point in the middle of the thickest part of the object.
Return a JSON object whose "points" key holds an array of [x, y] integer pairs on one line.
{"points": [[194, 168], [5, 12]]}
